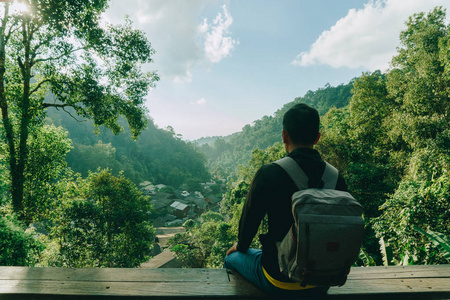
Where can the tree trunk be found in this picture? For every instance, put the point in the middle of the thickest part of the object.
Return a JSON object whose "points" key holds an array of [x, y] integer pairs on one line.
{"points": [[19, 177], [8, 126]]}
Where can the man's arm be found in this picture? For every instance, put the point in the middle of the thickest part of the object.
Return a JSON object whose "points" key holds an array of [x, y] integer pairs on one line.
{"points": [[252, 213]]}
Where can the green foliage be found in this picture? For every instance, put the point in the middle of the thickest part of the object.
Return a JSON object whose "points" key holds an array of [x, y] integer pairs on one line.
{"points": [[211, 216], [419, 84], [234, 196], [187, 251], [58, 54], [423, 204], [393, 140], [158, 155], [46, 166], [17, 247], [50, 255], [193, 184], [366, 259], [260, 158], [386, 253], [392, 144], [328, 97], [4, 178], [205, 243], [439, 240], [107, 226], [334, 144]]}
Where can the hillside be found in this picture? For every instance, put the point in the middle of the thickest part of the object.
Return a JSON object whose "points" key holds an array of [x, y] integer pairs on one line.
{"points": [[225, 154], [157, 155]]}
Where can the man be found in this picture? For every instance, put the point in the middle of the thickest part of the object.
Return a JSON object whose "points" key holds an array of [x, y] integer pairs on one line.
{"points": [[270, 193]]}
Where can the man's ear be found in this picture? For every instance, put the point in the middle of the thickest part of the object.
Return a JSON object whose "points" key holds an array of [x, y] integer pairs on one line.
{"points": [[285, 137], [318, 138]]}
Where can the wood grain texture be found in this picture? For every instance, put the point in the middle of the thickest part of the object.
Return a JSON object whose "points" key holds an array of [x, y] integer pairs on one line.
{"points": [[113, 274], [409, 282], [400, 272]]}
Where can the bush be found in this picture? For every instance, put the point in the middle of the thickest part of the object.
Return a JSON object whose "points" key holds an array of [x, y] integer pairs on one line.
{"points": [[17, 247], [422, 204]]}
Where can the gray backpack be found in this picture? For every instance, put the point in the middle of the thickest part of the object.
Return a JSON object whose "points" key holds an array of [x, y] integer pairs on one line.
{"points": [[325, 239]]}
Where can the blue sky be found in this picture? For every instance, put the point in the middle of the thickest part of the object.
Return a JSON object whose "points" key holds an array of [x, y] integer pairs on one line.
{"points": [[224, 64]]}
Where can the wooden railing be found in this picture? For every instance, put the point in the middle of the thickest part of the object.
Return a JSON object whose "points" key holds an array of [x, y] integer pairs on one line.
{"points": [[396, 282]]}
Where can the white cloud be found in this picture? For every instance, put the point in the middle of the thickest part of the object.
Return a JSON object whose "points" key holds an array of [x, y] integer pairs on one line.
{"points": [[173, 29], [365, 38], [217, 45], [201, 101]]}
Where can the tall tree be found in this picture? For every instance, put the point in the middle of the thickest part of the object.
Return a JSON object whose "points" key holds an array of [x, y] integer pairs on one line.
{"points": [[419, 130], [60, 48], [420, 85]]}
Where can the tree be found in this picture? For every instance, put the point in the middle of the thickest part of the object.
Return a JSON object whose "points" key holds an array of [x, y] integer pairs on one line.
{"points": [[45, 171], [419, 130], [106, 224], [419, 83], [17, 247], [59, 50]]}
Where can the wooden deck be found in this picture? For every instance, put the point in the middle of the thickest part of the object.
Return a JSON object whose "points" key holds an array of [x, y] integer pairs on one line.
{"points": [[409, 282]]}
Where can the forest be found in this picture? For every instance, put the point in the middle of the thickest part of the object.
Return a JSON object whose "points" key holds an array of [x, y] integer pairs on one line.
{"points": [[76, 140], [387, 133]]}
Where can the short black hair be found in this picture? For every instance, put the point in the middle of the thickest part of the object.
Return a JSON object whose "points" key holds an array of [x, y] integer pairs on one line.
{"points": [[301, 122]]}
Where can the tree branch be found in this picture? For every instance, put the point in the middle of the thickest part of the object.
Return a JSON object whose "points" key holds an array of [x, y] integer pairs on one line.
{"points": [[35, 48], [7, 34], [57, 57], [39, 86], [45, 105], [63, 107], [14, 26]]}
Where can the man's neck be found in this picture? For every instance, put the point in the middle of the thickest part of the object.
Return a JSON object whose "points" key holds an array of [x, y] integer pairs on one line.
{"points": [[290, 148]]}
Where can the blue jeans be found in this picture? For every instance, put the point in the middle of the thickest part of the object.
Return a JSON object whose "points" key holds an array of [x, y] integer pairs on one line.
{"points": [[249, 265]]}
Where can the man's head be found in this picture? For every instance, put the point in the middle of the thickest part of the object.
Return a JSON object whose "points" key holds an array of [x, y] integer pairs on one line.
{"points": [[300, 127]]}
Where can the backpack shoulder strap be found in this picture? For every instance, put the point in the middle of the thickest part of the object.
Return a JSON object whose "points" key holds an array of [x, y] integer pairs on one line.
{"points": [[330, 176], [294, 171]]}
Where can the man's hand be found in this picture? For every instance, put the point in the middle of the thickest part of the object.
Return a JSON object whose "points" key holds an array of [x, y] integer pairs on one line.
{"points": [[232, 249]]}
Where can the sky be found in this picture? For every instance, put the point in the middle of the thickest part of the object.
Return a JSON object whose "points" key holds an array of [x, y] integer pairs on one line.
{"points": [[224, 64]]}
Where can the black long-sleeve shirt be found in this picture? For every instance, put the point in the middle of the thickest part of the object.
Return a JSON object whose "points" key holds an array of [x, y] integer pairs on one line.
{"points": [[270, 193]]}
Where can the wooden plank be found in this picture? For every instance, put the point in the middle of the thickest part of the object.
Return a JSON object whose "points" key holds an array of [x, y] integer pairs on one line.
{"points": [[364, 288], [187, 274], [420, 289], [411, 282], [392, 286], [180, 289], [113, 274], [429, 271]]}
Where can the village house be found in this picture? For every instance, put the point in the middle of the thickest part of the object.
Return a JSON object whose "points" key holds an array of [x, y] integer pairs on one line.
{"points": [[212, 200], [180, 209]]}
